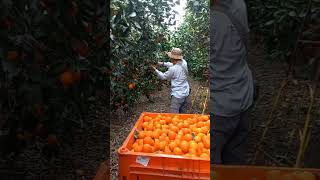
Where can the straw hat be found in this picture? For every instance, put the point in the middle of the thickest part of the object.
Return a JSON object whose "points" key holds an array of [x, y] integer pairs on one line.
{"points": [[175, 53]]}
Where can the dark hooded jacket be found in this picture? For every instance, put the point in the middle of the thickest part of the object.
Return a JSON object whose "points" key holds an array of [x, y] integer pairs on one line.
{"points": [[231, 80]]}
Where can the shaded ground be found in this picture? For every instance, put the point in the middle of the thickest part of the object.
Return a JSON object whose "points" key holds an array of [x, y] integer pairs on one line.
{"points": [[79, 161], [122, 123], [282, 140]]}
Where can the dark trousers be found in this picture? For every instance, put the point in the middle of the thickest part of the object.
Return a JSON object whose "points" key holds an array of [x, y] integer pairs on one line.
{"points": [[178, 105], [229, 139]]}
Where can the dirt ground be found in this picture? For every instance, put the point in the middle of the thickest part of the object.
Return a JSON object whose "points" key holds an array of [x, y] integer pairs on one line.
{"points": [[281, 145], [122, 123]]}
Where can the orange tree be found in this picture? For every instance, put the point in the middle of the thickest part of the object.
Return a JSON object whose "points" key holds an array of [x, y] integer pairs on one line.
{"points": [[193, 37], [138, 39], [284, 23], [53, 54]]}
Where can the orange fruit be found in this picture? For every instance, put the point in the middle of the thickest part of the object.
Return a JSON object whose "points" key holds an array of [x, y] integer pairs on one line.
{"points": [[149, 133], [204, 155], [193, 145], [179, 136], [204, 129], [177, 151], [192, 150], [52, 139], [66, 78], [162, 122], [13, 55], [180, 125], [206, 141], [146, 118], [145, 125], [147, 148], [155, 134], [167, 150], [174, 128], [142, 134], [186, 131], [168, 120], [157, 145], [199, 124], [205, 118], [201, 134], [134, 145], [184, 145], [185, 124], [200, 145], [199, 151], [131, 85], [187, 137], [178, 141], [165, 126], [162, 137], [76, 76], [150, 127], [172, 135], [162, 145], [148, 140], [139, 141], [180, 132], [172, 145], [138, 148], [166, 131], [198, 130], [157, 126]]}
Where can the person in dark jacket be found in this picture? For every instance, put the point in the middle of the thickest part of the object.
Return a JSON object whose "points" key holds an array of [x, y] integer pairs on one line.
{"points": [[231, 84]]}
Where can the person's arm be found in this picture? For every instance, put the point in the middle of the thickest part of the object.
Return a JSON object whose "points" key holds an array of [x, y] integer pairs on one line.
{"points": [[220, 32], [165, 76], [166, 64]]}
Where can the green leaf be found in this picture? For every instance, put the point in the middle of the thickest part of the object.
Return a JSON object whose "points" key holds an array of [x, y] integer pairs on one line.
{"points": [[292, 14], [269, 22]]}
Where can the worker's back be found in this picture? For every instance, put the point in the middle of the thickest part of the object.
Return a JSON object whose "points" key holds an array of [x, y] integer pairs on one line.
{"points": [[231, 81]]}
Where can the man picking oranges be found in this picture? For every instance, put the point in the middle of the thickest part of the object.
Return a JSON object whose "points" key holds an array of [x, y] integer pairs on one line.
{"points": [[177, 73]]}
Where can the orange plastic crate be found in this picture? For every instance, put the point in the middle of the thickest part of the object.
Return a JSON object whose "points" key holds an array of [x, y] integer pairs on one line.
{"points": [[159, 166], [256, 173]]}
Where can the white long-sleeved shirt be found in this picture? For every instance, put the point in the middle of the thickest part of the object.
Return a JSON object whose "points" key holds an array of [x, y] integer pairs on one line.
{"points": [[178, 75]]}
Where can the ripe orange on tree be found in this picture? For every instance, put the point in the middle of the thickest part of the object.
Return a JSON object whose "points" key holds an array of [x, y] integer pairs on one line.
{"points": [[52, 139], [131, 86], [66, 78], [13, 56]]}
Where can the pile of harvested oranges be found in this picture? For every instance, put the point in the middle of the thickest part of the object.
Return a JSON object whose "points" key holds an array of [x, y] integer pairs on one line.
{"points": [[174, 134]]}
